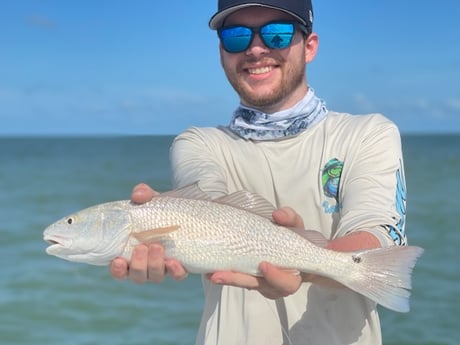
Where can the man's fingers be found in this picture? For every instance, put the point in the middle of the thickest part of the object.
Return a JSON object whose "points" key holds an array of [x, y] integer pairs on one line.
{"points": [[147, 264], [119, 269], [138, 264], [283, 283], [176, 270], [142, 193], [156, 270], [274, 284], [235, 279], [286, 216]]}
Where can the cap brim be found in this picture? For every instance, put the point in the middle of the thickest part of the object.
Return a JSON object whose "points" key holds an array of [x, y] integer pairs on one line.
{"points": [[218, 19]]}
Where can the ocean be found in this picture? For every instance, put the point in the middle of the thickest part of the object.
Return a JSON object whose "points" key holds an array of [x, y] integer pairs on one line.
{"points": [[45, 300]]}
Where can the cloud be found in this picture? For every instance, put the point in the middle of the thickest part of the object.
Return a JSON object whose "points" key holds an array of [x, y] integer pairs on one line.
{"points": [[123, 109], [438, 107], [41, 22], [454, 105], [105, 110], [362, 102], [411, 114]]}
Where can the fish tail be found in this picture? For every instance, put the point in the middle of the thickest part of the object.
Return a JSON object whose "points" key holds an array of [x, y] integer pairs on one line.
{"points": [[385, 275]]}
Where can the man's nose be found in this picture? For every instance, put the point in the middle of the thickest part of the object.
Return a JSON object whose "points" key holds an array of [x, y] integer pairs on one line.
{"points": [[257, 47]]}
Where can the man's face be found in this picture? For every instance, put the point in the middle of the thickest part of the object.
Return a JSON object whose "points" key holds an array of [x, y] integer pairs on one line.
{"points": [[267, 79]]}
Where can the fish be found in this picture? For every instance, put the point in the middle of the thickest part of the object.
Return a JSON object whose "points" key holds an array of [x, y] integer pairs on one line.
{"points": [[235, 232]]}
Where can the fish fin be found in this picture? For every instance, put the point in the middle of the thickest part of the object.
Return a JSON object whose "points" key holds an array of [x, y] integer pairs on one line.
{"points": [[315, 237], [385, 275], [191, 191], [249, 202], [154, 234]]}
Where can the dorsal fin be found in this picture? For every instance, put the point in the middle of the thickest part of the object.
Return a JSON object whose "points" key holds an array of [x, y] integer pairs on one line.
{"points": [[245, 200], [248, 201]]}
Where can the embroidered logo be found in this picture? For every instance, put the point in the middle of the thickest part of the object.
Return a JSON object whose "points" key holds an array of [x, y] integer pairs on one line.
{"points": [[330, 179]]}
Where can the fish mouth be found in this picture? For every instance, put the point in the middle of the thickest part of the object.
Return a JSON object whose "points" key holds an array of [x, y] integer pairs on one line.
{"points": [[56, 242], [51, 241]]}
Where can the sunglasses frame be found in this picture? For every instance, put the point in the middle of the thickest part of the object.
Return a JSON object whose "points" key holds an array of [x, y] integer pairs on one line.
{"points": [[256, 30]]}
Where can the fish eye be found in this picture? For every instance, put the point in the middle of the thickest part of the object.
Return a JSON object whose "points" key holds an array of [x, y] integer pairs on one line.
{"points": [[69, 221]]}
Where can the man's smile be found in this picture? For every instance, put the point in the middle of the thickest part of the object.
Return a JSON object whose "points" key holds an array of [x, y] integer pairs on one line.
{"points": [[260, 70]]}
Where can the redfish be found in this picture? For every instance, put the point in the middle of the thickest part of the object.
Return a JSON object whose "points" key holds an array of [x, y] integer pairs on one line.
{"points": [[235, 232]]}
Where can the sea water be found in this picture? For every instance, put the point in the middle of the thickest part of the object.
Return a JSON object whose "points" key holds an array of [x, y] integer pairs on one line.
{"points": [[44, 300]]}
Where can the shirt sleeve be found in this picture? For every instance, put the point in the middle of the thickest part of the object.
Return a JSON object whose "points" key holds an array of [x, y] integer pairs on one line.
{"points": [[372, 186], [192, 161]]}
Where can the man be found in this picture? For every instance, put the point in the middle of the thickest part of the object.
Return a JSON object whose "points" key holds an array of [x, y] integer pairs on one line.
{"points": [[342, 174]]}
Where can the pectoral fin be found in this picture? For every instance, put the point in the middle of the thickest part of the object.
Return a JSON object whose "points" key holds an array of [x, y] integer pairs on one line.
{"points": [[154, 234]]}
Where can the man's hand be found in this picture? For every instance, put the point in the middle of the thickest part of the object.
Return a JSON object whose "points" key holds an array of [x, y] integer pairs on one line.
{"points": [[274, 283], [147, 262]]}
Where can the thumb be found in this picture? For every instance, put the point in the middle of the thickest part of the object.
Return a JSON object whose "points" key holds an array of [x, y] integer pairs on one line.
{"points": [[142, 193], [286, 216]]}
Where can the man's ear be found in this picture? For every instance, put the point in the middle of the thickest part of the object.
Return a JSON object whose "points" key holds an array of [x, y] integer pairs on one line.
{"points": [[311, 47]]}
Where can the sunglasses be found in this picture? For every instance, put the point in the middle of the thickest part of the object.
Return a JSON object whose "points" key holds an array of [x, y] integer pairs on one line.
{"points": [[275, 35]]}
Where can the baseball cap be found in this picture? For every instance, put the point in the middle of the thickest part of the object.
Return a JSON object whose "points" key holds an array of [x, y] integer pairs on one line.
{"points": [[300, 9]]}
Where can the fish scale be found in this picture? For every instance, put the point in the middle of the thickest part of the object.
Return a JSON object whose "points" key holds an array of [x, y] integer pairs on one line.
{"points": [[235, 233], [242, 236]]}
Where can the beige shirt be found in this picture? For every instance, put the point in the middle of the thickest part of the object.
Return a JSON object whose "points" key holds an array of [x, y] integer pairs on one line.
{"points": [[342, 175]]}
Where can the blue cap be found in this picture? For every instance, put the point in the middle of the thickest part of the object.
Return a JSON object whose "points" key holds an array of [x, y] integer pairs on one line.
{"points": [[302, 10]]}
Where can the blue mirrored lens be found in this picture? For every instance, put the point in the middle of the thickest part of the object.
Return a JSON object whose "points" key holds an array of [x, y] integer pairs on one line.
{"points": [[277, 35], [236, 39]]}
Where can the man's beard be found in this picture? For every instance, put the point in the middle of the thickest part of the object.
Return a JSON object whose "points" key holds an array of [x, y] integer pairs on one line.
{"points": [[293, 76]]}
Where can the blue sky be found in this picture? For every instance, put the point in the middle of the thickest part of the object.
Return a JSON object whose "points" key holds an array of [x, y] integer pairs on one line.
{"points": [[152, 67]]}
